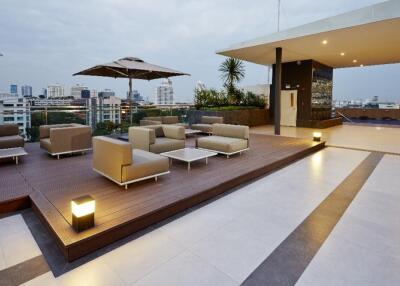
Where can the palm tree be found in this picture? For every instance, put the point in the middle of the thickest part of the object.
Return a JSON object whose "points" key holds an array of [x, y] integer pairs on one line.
{"points": [[232, 72]]}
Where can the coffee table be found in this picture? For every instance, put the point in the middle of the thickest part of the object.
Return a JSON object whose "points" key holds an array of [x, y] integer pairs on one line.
{"points": [[13, 152], [188, 155], [189, 131]]}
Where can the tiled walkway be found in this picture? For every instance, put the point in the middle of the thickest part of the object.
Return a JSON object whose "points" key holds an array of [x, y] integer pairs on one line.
{"points": [[224, 242]]}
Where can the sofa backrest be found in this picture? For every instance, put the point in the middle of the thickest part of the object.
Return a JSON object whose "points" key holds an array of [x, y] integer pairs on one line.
{"points": [[170, 119], [211, 119], [109, 155], [153, 118], [9, 129], [228, 130], [174, 132], [157, 129], [44, 130]]}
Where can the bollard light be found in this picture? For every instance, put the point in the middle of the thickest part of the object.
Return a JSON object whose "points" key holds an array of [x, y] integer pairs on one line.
{"points": [[83, 209]]}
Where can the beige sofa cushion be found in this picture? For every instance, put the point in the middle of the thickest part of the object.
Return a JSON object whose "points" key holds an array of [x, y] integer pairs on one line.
{"points": [[222, 144], [205, 128], [164, 144], [211, 119], [144, 164], [11, 141], [228, 130]]}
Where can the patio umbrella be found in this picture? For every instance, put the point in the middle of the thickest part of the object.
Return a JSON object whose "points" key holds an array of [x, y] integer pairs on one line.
{"points": [[131, 68]]}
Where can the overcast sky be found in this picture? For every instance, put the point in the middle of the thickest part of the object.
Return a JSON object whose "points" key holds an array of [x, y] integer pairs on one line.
{"points": [[46, 41]]}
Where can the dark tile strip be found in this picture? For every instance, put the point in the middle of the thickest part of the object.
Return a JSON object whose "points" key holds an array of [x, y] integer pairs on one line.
{"points": [[24, 272], [287, 262]]}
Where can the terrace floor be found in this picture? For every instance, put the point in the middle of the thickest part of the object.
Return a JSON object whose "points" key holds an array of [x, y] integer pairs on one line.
{"points": [[330, 218], [383, 138]]}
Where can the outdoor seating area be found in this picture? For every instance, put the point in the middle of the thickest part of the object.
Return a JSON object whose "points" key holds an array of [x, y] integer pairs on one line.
{"points": [[50, 188]]}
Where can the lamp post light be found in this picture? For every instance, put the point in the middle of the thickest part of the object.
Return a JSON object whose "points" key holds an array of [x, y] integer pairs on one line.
{"points": [[83, 209]]}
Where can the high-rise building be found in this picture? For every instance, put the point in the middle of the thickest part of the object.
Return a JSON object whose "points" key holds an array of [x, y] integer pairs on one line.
{"points": [[76, 91], [106, 93], [104, 109], [26, 91], [85, 94], [14, 110], [165, 93], [55, 90], [14, 89]]}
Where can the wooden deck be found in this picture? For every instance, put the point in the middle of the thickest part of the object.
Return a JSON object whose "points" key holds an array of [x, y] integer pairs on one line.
{"points": [[48, 185]]}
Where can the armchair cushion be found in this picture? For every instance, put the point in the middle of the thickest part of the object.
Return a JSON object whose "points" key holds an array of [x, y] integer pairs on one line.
{"points": [[174, 132], [222, 144], [164, 144]]}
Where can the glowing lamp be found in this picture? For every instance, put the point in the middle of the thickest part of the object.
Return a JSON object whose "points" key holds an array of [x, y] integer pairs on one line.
{"points": [[317, 136], [83, 213]]}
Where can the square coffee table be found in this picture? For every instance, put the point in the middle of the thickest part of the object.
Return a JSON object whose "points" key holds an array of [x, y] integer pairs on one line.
{"points": [[189, 155], [13, 152]]}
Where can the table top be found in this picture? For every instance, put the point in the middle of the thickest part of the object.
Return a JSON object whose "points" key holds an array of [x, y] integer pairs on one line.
{"points": [[188, 154], [191, 131], [12, 152]]}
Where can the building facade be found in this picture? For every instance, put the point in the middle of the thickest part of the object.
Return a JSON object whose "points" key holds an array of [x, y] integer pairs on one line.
{"points": [[165, 93], [76, 91], [55, 90], [104, 109], [26, 91], [15, 110], [14, 89]]}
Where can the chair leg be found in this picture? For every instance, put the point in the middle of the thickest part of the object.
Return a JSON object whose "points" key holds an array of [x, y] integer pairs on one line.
{"points": [[126, 186], [227, 156], [156, 179], [58, 156]]}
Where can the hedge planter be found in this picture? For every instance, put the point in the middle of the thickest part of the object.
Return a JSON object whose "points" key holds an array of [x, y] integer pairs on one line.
{"points": [[249, 117]]}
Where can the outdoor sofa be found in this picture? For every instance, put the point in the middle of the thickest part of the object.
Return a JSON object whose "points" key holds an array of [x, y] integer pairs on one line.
{"points": [[9, 136], [206, 122], [157, 138], [157, 120], [117, 161], [226, 139], [60, 139]]}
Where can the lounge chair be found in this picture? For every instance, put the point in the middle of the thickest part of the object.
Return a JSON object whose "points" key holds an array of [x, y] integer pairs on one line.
{"points": [[117, 161], [9, 136], [205, 126], [157, 120], [226, 139], [60, 139], [157, 138]]}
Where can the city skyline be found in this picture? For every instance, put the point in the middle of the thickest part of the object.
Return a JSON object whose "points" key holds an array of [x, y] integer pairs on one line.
{"points": [[181, 35]]}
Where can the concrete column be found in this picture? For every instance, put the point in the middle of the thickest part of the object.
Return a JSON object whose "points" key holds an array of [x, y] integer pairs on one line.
{"points": [[277, 91]]}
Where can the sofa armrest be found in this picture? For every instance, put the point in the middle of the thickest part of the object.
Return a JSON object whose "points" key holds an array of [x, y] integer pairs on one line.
{"points": [[110, 155], [141, 137], [174, 132]]}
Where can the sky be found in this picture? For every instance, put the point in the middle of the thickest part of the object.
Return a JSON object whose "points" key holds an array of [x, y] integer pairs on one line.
{"points": [[46, 41]]}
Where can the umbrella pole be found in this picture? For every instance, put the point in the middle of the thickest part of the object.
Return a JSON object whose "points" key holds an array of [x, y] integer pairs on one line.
{"points": [[130, 99]]}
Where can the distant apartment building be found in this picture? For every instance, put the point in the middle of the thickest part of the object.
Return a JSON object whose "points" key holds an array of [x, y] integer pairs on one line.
{"points": [[14, 89], [47, 102], [55, 90], [164, 93], [26, 91], [14, 110], [104, 109], [136, 97], [76, 91]]}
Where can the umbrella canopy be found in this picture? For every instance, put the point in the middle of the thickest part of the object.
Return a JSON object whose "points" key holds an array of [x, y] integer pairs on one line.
{"points": [[131, 67]]}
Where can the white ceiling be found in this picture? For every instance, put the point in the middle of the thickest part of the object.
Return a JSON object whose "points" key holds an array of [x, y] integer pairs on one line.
{"points": [[370, 35]]}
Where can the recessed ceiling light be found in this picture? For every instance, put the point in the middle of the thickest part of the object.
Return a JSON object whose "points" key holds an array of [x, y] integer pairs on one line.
{"points": [[354, 61], [324, 42], [342, 54]]}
